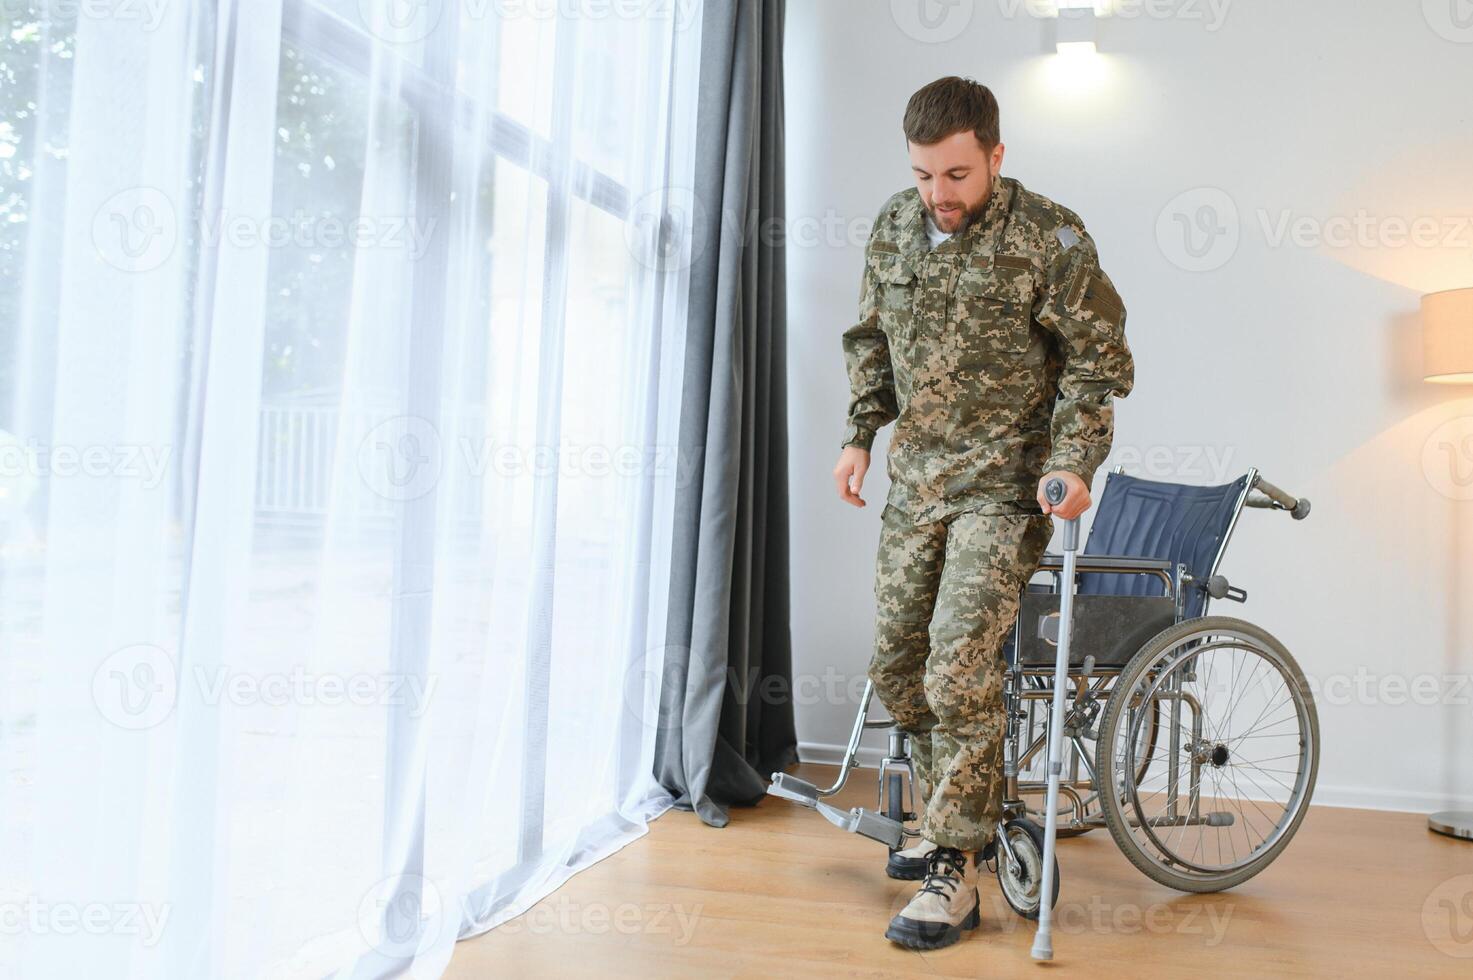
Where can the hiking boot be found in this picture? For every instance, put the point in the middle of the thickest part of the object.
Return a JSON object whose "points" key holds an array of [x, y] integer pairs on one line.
{"points": [[945, 904], [910, 864]]}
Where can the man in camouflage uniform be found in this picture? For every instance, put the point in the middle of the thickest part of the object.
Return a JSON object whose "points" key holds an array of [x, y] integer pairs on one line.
{"points": [[996, 351]]}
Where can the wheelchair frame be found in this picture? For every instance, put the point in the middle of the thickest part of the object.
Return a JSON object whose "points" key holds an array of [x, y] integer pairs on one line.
{"points": [[1027, 688]]}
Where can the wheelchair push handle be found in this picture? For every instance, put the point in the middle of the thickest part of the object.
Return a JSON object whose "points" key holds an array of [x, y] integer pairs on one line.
{"points": [[1275, 499]]}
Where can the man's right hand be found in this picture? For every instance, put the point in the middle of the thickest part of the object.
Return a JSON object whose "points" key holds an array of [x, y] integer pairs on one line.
{"points": [[849, 474]]}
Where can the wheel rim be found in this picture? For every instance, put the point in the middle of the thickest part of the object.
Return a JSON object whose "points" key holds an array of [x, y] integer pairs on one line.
{"points": [[1244, 755], [1020, 882]]}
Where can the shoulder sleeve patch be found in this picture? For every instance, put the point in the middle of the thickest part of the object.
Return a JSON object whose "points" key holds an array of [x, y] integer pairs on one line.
{"points": [[1067, 237]]}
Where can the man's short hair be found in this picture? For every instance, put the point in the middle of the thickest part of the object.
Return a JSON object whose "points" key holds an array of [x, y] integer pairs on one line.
{"points": [[951, 105]]}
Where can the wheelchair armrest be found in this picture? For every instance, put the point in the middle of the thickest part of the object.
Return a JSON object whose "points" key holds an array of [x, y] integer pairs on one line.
{"points": [[1107, 563], [1160, 568]]}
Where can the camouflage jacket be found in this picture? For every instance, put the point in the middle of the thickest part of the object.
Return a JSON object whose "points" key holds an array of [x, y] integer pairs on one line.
{"points": [[996, 353]]}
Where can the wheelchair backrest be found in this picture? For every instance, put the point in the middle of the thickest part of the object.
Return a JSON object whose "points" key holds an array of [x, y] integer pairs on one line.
{"points": [[1183, 524]]}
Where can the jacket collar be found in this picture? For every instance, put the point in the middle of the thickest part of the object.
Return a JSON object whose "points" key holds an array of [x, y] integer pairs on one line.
{"points": [[912, 222]]}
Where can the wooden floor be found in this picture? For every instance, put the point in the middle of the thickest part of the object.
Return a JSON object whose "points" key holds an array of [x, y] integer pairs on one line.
{"points": [[781, 893]]}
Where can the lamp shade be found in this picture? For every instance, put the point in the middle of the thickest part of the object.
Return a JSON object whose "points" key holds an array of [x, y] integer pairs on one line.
{"points": [[1447, 336]]}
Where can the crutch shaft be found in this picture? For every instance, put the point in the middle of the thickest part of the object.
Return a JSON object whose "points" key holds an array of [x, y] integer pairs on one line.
{"points": [[1043, 948]]}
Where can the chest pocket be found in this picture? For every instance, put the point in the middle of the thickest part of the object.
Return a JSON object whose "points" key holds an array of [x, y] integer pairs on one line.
{"points": [[994, 305], [895, 284]]}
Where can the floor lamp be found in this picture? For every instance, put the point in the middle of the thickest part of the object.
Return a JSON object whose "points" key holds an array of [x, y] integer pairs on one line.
{"points": [[1447, 345]]}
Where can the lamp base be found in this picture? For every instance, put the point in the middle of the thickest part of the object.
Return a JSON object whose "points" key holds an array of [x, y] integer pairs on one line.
{"points": [[1452, 823]]}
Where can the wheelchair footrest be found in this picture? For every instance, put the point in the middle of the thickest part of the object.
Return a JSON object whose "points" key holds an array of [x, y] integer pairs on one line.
{"points": [[790, 787], [865, 823]]}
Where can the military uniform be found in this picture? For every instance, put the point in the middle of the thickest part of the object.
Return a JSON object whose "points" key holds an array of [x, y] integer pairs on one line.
{"points": [[996, 353]]}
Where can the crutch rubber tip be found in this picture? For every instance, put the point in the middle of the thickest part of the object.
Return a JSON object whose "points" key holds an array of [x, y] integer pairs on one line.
{"points": [[1043, 949]]}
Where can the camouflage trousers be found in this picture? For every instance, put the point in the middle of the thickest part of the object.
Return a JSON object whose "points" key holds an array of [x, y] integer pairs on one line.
{"points": [[947, 597]]}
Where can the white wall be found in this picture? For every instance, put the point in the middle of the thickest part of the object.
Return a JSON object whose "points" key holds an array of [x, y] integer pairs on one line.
{"points": [[1299, 357]]}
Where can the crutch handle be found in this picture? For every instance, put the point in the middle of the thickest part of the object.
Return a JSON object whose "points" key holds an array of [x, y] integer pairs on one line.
{"points": [[1054, 491]]}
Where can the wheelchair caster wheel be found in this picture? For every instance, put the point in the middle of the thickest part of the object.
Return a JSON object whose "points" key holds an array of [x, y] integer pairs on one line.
{"points": [[898, 866], [895, 797], [1020, 877]]}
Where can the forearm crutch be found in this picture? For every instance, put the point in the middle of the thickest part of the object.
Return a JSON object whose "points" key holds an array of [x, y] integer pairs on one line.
{"points": [[1043, 944]]}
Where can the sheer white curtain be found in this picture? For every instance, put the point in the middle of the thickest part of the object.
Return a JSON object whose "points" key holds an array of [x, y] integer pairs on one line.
{"points": [[339, 376]]}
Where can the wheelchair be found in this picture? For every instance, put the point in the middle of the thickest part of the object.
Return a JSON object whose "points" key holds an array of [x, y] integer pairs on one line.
{"points": [[1192, 738]]}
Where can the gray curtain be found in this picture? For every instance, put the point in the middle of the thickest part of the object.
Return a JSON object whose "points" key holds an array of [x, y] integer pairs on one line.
{"points": [[726, 713]]}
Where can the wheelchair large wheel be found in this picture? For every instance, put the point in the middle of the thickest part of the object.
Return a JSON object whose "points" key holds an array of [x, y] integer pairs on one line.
{"points": [[1228, 781]]}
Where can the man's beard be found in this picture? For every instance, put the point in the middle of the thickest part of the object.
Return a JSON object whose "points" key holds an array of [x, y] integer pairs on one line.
{"points": [[970, 215]]}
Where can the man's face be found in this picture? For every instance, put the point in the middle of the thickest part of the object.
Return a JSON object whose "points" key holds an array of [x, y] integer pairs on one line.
{"points": [[954, 177]]}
